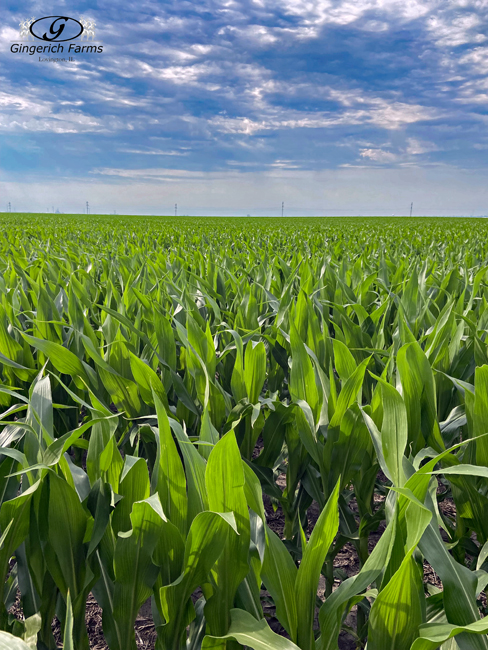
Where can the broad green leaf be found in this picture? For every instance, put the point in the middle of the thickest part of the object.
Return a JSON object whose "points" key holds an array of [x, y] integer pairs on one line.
{"points": [[206, 540], [419, 396], [480, 415], [434, 634], [133, 487], [302, 375], [195, 467], [254, 370], [10, 642], [308, 575], [64, 360], [331, 612], [135, 572], [249, 632], [349, 393], [147, 382], [394, 432], [459, 583], [279, 576], [224, 478], [65, 553], [68, 626], [14, 524], [168, 477], [399, 608]]}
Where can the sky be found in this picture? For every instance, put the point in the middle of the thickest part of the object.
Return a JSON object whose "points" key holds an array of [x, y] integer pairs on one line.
{"points": [[334, 107]]}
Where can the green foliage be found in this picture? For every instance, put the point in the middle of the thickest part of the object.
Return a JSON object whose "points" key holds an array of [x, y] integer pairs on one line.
{"points": [[163, 380]]}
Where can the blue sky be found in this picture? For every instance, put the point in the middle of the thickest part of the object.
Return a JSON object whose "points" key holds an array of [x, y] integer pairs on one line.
{"points": [[333, 106]]}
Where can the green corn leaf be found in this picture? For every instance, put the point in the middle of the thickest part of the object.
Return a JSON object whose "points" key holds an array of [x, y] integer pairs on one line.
{"points": [[168, 477], [253, 492], [134, 487], [68, 626], [64, 360], [10, 642], [433, 635], [206, 540], [302, 375], [394, 432], [195, 467], [237, 382], [279, 576], [224, 478], [14, 524], [349, 392], [344, 361], [22, 372], [254, 370], [249, 632], [306, 431], [168, 556], [331, 612], [147, 382], [122, 390], [399, 608], [480, 415], [32, 626], [459, 583], [273, 434], [419, 396], [65, 553], [53, 453], [208, 433], [311, 566], [135, 572]]}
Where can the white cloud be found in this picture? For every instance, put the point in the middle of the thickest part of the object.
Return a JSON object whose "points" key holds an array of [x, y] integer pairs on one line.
{"points": [[380, 112], [379, 155], [284, 164], [22, 113], [155, 152], [450, 31], [345, 12], [256, 34], [416, 147], [197, 72]]}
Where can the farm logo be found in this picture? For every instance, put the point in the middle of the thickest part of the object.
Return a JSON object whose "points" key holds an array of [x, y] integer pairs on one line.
{"points": [[56, 28], [53, 31]]}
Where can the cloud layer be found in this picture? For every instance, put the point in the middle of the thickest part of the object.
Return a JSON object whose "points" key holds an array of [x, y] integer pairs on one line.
{"points": [[255, 91]]}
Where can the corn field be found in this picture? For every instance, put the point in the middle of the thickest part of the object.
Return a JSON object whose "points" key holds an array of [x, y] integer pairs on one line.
{"points": [[167, 385]]}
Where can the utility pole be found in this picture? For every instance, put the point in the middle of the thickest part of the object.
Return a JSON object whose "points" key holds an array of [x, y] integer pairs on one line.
{"points": [[9, 207], [411, 208], [282, 208], [176, 209], [87, 208]]}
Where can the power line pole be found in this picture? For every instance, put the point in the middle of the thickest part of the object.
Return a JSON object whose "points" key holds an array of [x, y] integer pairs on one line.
{"points": [[282, 208], [9, 207], [87, 208], [411, 208], [176, 209]]}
